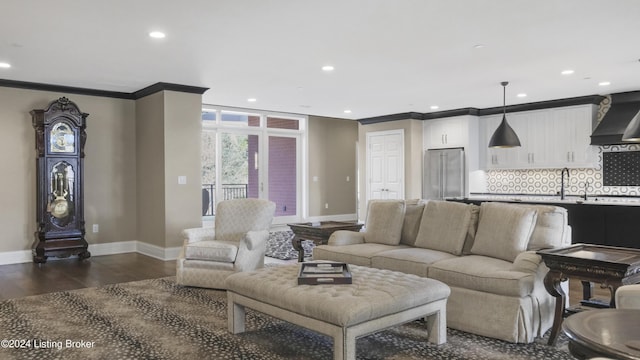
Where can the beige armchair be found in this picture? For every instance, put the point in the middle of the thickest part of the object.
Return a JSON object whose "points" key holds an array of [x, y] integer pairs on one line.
{"points": [[628, 297], [237, 243]]}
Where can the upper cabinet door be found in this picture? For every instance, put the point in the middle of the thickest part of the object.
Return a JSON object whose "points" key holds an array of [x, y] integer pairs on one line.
{"points": [[446, 133], [572, 128]]}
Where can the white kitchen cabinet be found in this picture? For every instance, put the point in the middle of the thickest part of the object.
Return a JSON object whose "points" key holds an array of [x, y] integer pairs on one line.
{"points": [[572, 128], [531, 128], [550, 138], [446, 133]]}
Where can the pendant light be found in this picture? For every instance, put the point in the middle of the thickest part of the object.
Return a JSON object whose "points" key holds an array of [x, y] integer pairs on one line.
{"points": [[504, 136]]}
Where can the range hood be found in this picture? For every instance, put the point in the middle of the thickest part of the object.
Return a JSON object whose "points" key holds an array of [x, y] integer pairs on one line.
{"points": [[624, 107]]}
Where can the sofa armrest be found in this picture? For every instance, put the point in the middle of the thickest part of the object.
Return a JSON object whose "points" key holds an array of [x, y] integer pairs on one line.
{"points": [[346, 237], [198, 234], [527, 261]]}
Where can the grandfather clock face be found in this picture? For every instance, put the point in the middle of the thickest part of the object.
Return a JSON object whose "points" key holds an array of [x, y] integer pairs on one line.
{"points": [[62, 139]]}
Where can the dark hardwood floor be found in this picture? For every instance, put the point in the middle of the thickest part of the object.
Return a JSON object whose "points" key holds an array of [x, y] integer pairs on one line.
{"points": [[18, 280]]}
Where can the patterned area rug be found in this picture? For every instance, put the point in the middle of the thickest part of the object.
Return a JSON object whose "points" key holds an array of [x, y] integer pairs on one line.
{"points": [[157, 319], [279, 246]]}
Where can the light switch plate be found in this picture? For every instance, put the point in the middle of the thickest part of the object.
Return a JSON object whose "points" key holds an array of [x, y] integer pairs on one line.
{"points": [[182, 180]]}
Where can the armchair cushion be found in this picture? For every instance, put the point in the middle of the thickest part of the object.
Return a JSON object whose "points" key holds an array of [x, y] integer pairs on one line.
{"points": [[212, 250], [241, 216], [503, 230]]}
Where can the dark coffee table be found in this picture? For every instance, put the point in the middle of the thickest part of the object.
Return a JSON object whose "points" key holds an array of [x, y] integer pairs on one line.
{"points": [[609, 333], [606, 265], [319, 233]]}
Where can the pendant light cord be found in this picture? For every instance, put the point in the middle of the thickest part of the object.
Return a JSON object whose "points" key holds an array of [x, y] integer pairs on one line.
{"points": [[504, 97]]}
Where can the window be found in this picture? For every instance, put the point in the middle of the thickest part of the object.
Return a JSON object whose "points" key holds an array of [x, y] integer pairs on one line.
{"points": [[249, 154]]}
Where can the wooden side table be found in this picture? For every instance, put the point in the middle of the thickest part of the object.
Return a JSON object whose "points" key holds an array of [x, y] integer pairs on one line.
{"points": [[607, 265], [318, 233]]}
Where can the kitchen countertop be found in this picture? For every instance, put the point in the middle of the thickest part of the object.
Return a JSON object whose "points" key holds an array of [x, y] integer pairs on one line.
{"points": [[555, 199]]}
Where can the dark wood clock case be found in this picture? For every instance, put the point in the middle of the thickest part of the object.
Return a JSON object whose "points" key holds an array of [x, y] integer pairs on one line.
{"points": [[60, 139]]}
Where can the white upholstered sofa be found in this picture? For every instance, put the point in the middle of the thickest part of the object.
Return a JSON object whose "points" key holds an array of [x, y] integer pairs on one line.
{"points": [[486, 254]]}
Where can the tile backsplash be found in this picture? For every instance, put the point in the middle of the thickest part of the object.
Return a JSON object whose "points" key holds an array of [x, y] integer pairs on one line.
{"points": [[547, 181]]}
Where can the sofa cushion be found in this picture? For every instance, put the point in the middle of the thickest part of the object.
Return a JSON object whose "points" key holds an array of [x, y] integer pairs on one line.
{"points": [[384, 222], [484, 274], [408, 260], [444, 226], [550, 229], [411, 224], [212, 250], [357, 254], [503, 230]]}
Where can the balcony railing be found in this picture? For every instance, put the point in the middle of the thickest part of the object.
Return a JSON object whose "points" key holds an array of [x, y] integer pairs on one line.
{"points": [[229, 191]]}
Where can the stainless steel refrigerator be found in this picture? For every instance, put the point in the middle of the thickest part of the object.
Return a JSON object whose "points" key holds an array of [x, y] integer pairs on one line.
{"points": [[443, 173]]}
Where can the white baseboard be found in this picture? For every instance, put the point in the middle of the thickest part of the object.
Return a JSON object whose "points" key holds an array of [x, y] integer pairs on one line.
{"points": [[15, 257], [120, 247], [158, 252]]}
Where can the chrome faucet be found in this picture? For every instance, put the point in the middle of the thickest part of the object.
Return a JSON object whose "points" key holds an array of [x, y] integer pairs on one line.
{"points": [[586, 188], [565, 170]]}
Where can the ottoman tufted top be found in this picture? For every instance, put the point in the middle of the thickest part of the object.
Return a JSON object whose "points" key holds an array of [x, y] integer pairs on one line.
{"points": [[374, 293]]}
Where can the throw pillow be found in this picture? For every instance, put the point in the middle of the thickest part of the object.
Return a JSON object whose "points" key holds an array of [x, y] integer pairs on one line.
{"points": [[444, 226], [550, 228], [384, 222], [503, 230]]}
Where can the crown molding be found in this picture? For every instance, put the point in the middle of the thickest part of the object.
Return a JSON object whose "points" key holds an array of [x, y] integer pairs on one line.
{"points": [[392, 117], [152, 89], [582, 100]]}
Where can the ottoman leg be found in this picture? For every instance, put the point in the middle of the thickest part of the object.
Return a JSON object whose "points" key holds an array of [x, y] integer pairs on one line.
{"points": [[235, 315], [437, 327], [344, 346]]}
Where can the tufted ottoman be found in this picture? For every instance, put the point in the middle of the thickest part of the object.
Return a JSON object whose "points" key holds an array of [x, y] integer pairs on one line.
{"points": [[377, 299]]}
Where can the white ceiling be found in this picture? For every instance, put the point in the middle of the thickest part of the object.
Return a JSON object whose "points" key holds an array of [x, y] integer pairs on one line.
{"points": [[390, 56]]}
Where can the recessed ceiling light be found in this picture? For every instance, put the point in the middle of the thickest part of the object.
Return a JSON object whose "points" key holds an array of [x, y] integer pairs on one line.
{"points": [[604, 83], [567, 72], [5, 65], [347, 111], [521, 95], [157, 35], [434, 107], [478, 46], [327, 68], [252, 99]]}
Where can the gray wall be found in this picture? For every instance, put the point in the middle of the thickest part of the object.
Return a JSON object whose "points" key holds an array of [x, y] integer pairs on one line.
{"points": [[332, 158]]}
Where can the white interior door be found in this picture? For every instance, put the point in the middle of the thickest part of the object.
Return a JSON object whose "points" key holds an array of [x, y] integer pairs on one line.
{"points": [[385, 165]]}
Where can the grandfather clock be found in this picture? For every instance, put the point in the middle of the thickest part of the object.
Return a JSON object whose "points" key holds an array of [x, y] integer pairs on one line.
{"points": [[60, 139]]}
